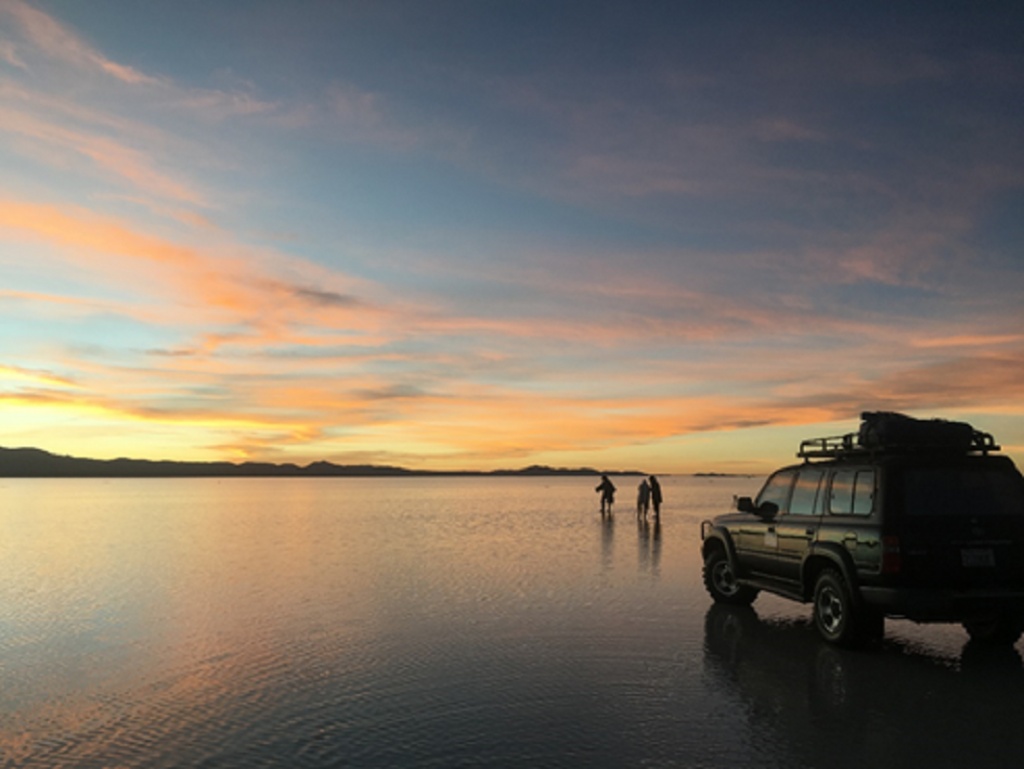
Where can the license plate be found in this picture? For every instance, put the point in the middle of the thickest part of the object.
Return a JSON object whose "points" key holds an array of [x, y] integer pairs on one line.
{"points": [[977, 557]]}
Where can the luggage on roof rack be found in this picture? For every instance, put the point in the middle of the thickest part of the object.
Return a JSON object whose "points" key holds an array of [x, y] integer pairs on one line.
{"points": [[887, 431]]}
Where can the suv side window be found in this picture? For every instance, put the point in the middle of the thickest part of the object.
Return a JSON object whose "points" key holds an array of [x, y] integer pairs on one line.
{"points": [[776, 490], [805, 492], [853, 492]]}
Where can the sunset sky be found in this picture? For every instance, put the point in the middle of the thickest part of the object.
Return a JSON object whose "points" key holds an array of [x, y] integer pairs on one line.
{"points": [[677, 237]]}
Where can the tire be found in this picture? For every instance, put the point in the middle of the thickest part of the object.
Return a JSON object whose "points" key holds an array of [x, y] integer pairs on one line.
{"points": [[720, 580], [836, 617], [1001, 631]]}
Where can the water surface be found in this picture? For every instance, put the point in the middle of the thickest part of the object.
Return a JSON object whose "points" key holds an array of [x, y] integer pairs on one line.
{"points": [[438, 622]]}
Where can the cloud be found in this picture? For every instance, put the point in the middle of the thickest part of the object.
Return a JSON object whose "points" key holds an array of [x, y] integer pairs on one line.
{"points": [[57, 43], [390, 392], [9, 54], [991, 379], [123, 408], [109, 156], [268, 311], [970, 340], [360, 115], [215, 290], [324, 298], [36, 376], [61, 43], [219, 105]]}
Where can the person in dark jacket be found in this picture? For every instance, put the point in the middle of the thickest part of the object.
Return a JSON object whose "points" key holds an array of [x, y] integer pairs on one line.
{"points": [[643, 499], [607, 490], [655, 497]]}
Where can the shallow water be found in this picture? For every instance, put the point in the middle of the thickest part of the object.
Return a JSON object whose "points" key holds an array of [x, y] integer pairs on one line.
{"points": [[427, 622]]}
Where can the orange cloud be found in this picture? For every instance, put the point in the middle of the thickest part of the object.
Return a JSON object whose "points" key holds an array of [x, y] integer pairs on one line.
{"points": [[970, 340], [244, 289], [109, 156], [34, 376], [124, 411]]}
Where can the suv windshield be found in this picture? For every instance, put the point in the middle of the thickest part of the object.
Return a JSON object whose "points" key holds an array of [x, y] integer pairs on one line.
{"points": [[776, 490], [962, 491]]}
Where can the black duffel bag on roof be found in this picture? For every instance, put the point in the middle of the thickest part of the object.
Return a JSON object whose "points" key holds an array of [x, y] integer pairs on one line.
{"points": [[887, 429]]}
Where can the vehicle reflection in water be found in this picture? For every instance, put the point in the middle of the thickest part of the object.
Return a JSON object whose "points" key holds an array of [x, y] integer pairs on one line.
{"points": [[821, 706]]}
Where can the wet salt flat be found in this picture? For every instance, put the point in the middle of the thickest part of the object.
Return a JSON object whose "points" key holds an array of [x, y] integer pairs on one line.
{"points": [[438, 622]]}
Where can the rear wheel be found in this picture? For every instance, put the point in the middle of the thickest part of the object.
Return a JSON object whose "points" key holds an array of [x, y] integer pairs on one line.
{"points": [[720, 580], [838, 619], [995, 630]]}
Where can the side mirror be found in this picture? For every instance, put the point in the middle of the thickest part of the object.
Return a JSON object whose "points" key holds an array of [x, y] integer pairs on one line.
{"points": [[745, 504], [767, 510]]}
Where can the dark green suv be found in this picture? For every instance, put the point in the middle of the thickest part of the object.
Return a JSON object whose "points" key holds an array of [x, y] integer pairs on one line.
{"points": [[911, 518]]}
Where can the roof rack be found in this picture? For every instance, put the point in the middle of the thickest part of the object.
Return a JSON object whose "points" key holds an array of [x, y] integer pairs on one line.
{"points": [[831, 446], [848, 445]]}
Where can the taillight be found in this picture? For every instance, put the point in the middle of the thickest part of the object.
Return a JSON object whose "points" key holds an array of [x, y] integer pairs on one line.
{"points": [[892, 562]]}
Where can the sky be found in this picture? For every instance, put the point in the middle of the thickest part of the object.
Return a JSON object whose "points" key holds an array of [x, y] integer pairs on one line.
{"points": [[665, 236]]}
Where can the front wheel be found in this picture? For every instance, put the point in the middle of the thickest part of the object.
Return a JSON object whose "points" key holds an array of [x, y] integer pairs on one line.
{"points": [[720, 580]]}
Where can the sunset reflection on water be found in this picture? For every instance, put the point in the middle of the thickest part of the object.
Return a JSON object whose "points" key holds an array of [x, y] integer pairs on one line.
{"points": [[436, 622]]}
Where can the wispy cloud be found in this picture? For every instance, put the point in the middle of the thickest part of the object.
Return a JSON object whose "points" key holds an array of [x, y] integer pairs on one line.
{"points": [[9, 54], [218, 289], [56, 40], [31, 375], [109, 156]]}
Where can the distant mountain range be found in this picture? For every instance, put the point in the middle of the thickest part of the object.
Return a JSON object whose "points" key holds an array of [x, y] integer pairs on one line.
{"points": [[36, 463]]}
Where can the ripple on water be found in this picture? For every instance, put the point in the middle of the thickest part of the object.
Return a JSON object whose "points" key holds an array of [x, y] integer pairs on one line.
{"points": [[439, 622]]}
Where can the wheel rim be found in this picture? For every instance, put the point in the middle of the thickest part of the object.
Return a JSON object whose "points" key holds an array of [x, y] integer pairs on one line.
{"points": [[725, 580], [830, 609]]}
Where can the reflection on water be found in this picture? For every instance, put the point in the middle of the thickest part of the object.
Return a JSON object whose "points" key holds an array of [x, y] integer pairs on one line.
{"points": [[826, 706], [648, 545], [435, 622]]}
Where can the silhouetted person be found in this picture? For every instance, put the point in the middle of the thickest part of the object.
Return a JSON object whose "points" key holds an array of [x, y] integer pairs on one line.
{"points": [[607, 489], [643, 498], [656, 497]]}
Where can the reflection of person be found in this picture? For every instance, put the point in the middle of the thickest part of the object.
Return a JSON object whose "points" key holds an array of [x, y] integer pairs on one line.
{"points": [[656, 497], [643, 498], [607, 489], [649, 543]]}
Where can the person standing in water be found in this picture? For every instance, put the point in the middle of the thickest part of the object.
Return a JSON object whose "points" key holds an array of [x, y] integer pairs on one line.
{"points": [[607, 490], [656, 497], [643, 498]]}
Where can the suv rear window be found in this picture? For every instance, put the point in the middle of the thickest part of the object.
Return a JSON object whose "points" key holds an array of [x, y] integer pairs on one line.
{"points": [[962, 491]]}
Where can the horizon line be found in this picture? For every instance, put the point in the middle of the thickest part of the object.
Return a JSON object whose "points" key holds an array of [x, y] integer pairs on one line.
{"points": [[38, 462]]}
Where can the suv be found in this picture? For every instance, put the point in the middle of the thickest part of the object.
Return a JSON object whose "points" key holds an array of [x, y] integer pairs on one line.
{"points": [[906, 518]]}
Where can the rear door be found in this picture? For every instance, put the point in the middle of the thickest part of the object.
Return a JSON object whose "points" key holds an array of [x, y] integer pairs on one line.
{"points": [[962, 525], [852, 510]]}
